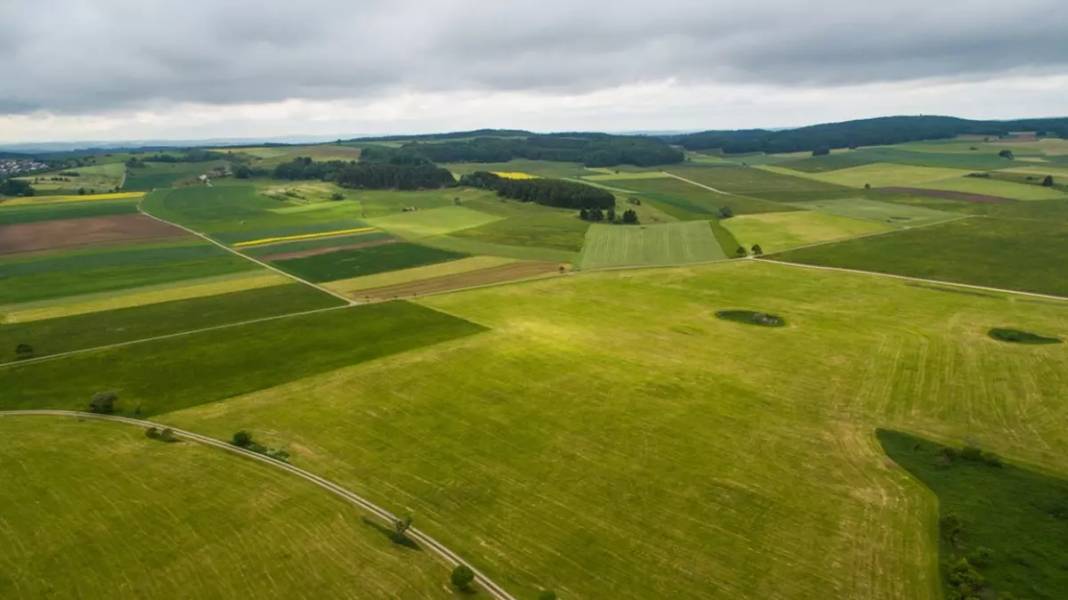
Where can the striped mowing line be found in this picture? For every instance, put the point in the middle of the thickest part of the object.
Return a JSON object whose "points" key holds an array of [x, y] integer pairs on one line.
{"points": [[303, 236]]}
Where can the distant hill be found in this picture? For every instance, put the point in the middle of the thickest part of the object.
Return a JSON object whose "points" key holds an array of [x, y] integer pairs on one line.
{"points": [[863, 132]]}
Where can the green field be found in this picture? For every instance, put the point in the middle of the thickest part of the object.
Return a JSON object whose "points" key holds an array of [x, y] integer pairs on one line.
{"points": [[896, 215], [96, 510], [1009, 523], [879, 175], [32, 214], [729, 476], [357, 262], [436, 221], [51, 336], [156, 175], [689, 202], [228, 361], [760, 183], [775, 232], [93, 179], [993, 187], [648, 245], [1022, 254]]}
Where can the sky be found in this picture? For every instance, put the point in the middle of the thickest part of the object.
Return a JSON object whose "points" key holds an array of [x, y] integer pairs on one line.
{"points": [[196, 69]]}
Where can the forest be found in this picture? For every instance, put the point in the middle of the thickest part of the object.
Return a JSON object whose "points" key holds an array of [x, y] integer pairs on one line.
{"points": [[548, 192]]}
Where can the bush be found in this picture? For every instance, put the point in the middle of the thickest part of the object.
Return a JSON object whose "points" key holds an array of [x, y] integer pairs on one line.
{"points": [[103, 403], [462, 577], [982, 557], [242, 439], [23, 351], [630, 217], [547, 595], [1048, 181], [757, 250], [726, 212], [1006, 154]]}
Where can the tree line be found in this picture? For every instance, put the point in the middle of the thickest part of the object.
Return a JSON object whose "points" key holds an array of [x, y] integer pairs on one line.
{"points": [[592, 150], [371, 174], [15, 187], [548, 192]]}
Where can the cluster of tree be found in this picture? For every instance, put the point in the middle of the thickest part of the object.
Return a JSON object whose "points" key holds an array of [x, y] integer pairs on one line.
{"points": [[548, 192], [375, 172], [164, 435], [243, 439], [863, 132], [15, 187], [303, 167], [592, 150], [1048, 181], [597, 215], [103, 403], [963, 574], [193, 155], [972, 454]]}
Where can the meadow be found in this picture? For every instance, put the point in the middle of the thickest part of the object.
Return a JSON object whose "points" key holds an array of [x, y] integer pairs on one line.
{"points": [[775, 232], [649, 245], [345, 264], [152, 519], [90, 179]]}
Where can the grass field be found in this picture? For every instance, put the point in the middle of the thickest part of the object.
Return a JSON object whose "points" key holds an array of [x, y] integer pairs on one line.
{"points": [[896, 215], [452, 267], [96, 510], [155, 175], [61, 334], [1019, 516], [1021, 254], [646, 245], [92, 179], [345, 264], [730, 477], [775, 232], [227, 362], [759, 182], [993, 187], [879, 175], [689, 202], [79, 199], [140, 296], [435, 221]]}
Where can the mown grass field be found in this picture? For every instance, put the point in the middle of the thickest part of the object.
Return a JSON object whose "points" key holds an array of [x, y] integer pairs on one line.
{"points": [[775, 232], [1021, 254], [893, 214], [730, 477], [649, 245], [52, 336], [96, 510], [879, 175], [227, 362]]}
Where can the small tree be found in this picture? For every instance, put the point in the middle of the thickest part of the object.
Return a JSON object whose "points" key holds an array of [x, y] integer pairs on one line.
{"points": [[821, 151], [462, 577], [630, 217], [1006, 154], [401, 526], [740, 252], [242, 439], [103, 403], [584, 214], [337, 196], [23, 351], [757, 250], [726, 212], [1048, 181], [610, 216]]}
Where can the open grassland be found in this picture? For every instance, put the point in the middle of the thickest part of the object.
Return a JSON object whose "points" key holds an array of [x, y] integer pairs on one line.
{"points": [[924, 154], [453, 267], [994, 187], [1009, 524], [689, 202], [645, 245], [435, 221], [759, 182], [529, 226], [89, 179], [878, 175], [355, 262], [896, 215], [475, 246], [774, 232], [10, 215], [153, 294], [268, 157], [97, 510], [304, 236], [626, 175], [1020, 254], [35, 277], [227, 361], [62, 334], [727, 476]]}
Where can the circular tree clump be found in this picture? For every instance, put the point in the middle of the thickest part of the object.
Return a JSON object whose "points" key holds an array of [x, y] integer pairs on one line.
{"points": [[751, 317], [1016, 336]]}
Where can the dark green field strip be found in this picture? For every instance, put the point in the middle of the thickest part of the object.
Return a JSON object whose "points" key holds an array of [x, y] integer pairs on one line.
{"points": [[1018, 254], [170, 374], [982, 160], [83, 272], [689, 202], [52, 336], [1010, 524], [69, 210], [160, 175], [365, 261], [724, 238], [344, 240]]}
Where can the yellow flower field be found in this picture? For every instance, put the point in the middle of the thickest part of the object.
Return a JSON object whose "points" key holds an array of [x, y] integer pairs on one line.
{"points": [[514, 175], [302, 236], [72, 198]]}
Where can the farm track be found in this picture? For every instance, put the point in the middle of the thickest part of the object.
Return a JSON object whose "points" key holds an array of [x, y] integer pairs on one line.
{"points": [[700, 185], [347, 300], [448, 556]]}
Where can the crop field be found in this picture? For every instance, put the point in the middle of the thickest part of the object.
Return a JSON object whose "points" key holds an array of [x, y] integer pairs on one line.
{"points": [[760, 183], [354, 262], [140, 296], [63, 334], [993, 187], [243, 358], [89, 180], [879, 175], [539, 168], [63, 233], [775, 232], [510, 272], [270, 156], [78, 198], [122, 503], [402, 276], [689, 202], [647, 245], [435, 221], [460, 434], [893, 214], [1022, 254], [155, 175], [33, 213]]}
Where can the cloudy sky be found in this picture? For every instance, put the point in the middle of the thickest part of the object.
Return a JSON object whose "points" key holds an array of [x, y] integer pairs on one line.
{"points": [[118, 69]]}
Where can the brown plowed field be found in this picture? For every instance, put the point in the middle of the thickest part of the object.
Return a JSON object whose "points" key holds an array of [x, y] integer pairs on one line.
{"points": [[434, 285], [327, 250], [949, 195], [67, 233]]}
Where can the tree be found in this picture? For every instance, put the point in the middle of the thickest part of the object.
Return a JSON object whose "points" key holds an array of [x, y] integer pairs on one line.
{"points": [[103, 403], [1048, 181], [630, 217], [462, 577], [1006, 154], [610, 214], [242, 439], [740, 252], [401, 526], [757, 250], [726, 212], [23, 351], [584, 214], [821, 151], [547, 595], [242, 171]]}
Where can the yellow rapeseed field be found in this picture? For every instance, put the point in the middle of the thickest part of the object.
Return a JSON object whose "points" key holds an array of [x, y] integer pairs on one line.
{"points": [[302, 236], [73, 198], [514, 175]]}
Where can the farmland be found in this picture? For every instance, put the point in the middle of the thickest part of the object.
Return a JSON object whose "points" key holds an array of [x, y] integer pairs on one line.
{"points": [[670, 244], [774, 232]]}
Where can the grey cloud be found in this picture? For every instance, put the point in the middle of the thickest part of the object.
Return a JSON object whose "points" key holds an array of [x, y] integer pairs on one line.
{"points": [[82, 57]]}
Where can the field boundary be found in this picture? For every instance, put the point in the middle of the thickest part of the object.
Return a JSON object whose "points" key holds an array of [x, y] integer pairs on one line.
{"points": [[141, 209], [450, 557]]}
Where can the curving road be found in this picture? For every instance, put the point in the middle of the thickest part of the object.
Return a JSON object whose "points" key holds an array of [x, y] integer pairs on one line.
{"points": [[450, 557]]}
